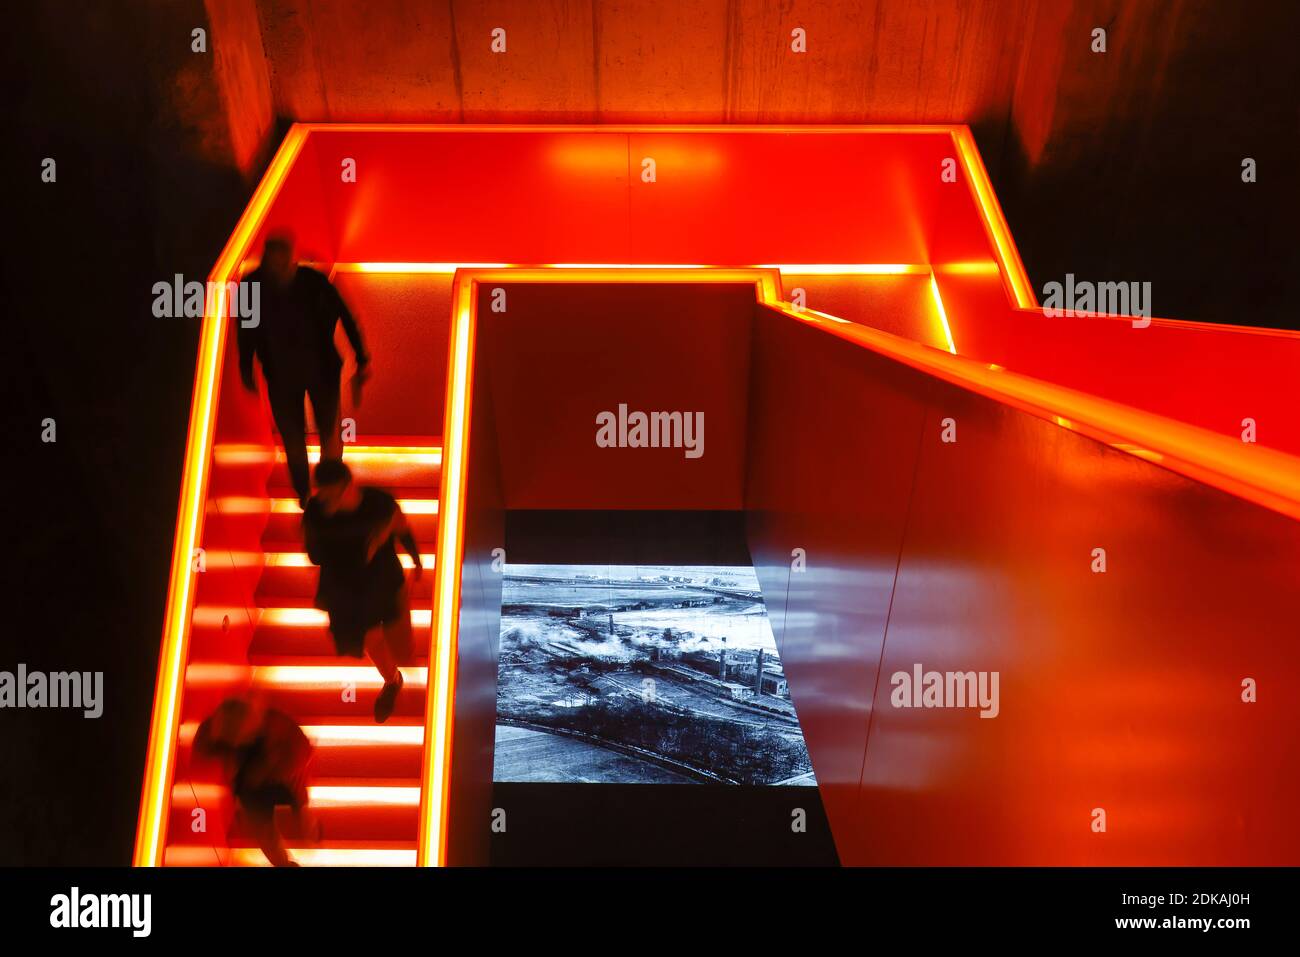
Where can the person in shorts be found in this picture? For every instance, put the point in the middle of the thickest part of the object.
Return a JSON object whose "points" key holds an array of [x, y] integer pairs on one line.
{"points": [[350, 532]]}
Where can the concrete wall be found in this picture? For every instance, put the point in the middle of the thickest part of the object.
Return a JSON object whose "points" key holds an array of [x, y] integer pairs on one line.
{"points": [[1123, 165]]}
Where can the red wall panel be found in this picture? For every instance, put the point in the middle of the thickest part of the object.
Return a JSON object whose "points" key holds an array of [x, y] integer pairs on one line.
{"points": [[477, 197], [1118, 690], [833, 439], [741, 198], [746, 199], [562, 353], [401, 316]]}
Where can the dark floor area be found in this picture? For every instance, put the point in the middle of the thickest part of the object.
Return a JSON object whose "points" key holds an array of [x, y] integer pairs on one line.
{"points": [[596, 537], [660, 825]]}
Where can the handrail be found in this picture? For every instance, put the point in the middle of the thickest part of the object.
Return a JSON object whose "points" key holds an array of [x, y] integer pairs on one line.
{"points": [[160, 758], [1261, 475]]}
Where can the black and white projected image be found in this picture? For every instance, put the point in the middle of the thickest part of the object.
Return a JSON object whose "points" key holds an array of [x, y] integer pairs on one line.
{"points": [[623, 674]]}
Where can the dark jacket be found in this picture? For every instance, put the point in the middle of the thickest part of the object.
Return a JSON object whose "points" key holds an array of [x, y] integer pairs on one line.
{"points": [[294, 336]]}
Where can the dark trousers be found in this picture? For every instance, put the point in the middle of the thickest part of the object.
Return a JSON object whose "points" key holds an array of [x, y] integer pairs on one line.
{"points": [[290, 417]]}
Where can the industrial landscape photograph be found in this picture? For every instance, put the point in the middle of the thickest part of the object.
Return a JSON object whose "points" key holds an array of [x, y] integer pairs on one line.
{"points": [[635, 675]]}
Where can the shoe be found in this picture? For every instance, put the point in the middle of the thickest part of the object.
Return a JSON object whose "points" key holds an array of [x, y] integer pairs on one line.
{"points": [[387, 699]]}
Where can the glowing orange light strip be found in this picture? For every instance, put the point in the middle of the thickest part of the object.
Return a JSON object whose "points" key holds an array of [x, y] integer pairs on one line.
{"points": [[995, 224], [943, 314], [200, 855], [315, 618], [650, 128], [318, 795], [849, 269], [431, 845], [161, 754], [407, 454], [234, 453], [345, 735], [300, 560], [794, 269], [317, 676], [290, 506]]}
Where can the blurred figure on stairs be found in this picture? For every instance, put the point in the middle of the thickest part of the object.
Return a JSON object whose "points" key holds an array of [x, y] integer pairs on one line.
{"points": [[293, 337], [350, 532], [265, 758]]}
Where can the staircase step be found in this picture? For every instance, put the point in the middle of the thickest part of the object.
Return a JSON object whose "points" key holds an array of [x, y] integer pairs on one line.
{"points": [[401, 465], [290, 573], [293, 627], [420, 505], [320, 690], [269, 644], [351, 747], [348, 809], [329, 854], [300, 612]]}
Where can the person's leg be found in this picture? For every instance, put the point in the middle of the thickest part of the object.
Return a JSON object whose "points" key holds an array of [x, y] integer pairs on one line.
{"points": [[259, 819], [397, 631], [291, 419], [380, 654], [325, 407]]}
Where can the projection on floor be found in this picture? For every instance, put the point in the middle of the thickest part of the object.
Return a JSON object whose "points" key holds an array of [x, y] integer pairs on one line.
{"points": [[623, 674]]}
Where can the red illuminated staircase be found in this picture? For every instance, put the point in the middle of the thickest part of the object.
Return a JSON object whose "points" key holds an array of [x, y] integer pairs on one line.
{"points": [[365, 786]]}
